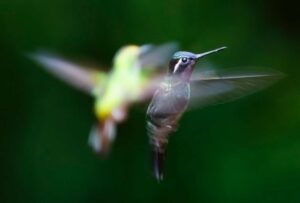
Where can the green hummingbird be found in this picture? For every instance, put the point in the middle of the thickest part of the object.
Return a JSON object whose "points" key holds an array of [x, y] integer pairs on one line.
{"points": [[133, 78], [179, 88]]}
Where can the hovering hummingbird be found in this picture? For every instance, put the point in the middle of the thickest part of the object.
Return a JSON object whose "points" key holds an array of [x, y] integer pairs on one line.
{"points": [[172, 97], [132, 79]]}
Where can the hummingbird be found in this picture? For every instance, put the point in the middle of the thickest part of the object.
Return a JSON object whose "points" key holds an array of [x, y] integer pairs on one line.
{"points": [[179, 88], [132, 79]]}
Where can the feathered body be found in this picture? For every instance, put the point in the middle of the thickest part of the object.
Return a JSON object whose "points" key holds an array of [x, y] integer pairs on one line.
{"points": [[133, 78], [172, 97], [163, 115]]}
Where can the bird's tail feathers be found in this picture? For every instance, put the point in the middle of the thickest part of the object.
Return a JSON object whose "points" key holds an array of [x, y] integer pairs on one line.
{"points": [[158, 159], [102, 136]]}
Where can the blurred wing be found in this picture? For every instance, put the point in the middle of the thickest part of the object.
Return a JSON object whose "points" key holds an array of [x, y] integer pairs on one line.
{"points": [[211, 89], [154, 58], [151, 87], [81, 78], [157, 56]]}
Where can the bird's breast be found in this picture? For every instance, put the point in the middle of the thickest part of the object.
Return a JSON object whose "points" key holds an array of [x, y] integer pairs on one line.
{"points": [[170, 99]]}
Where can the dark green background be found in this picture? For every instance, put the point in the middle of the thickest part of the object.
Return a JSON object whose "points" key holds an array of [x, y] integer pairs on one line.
{"points": [[244, 151]]}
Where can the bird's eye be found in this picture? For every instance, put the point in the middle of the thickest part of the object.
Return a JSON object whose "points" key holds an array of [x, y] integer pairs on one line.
{"points": [[184, 59]]}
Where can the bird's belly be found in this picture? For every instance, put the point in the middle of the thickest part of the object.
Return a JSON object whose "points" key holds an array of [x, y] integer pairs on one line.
{"points": [[165, 110], [118, 93]]}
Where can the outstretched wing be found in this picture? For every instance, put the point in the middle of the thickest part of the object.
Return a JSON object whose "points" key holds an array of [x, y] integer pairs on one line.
{"points": [[211, 89], [153, 61], [157, 56], [79, 77]]}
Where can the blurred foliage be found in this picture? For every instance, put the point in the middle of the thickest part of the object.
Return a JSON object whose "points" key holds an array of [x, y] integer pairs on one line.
{"points": [[245, 151]]}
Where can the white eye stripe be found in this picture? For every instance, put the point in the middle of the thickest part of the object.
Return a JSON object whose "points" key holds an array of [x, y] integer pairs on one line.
{"points": [[183, 60], [176, 66]]}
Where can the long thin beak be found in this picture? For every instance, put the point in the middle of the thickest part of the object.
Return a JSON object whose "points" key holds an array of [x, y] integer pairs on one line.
{"points": [[210, 52]]}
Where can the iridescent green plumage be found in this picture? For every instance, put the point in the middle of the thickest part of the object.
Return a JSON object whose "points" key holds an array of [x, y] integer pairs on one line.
{"points": [[132, 79]]}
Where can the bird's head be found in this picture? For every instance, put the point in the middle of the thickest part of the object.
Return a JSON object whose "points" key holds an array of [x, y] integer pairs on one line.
{"points": [[126, 58], [183, 63]]}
